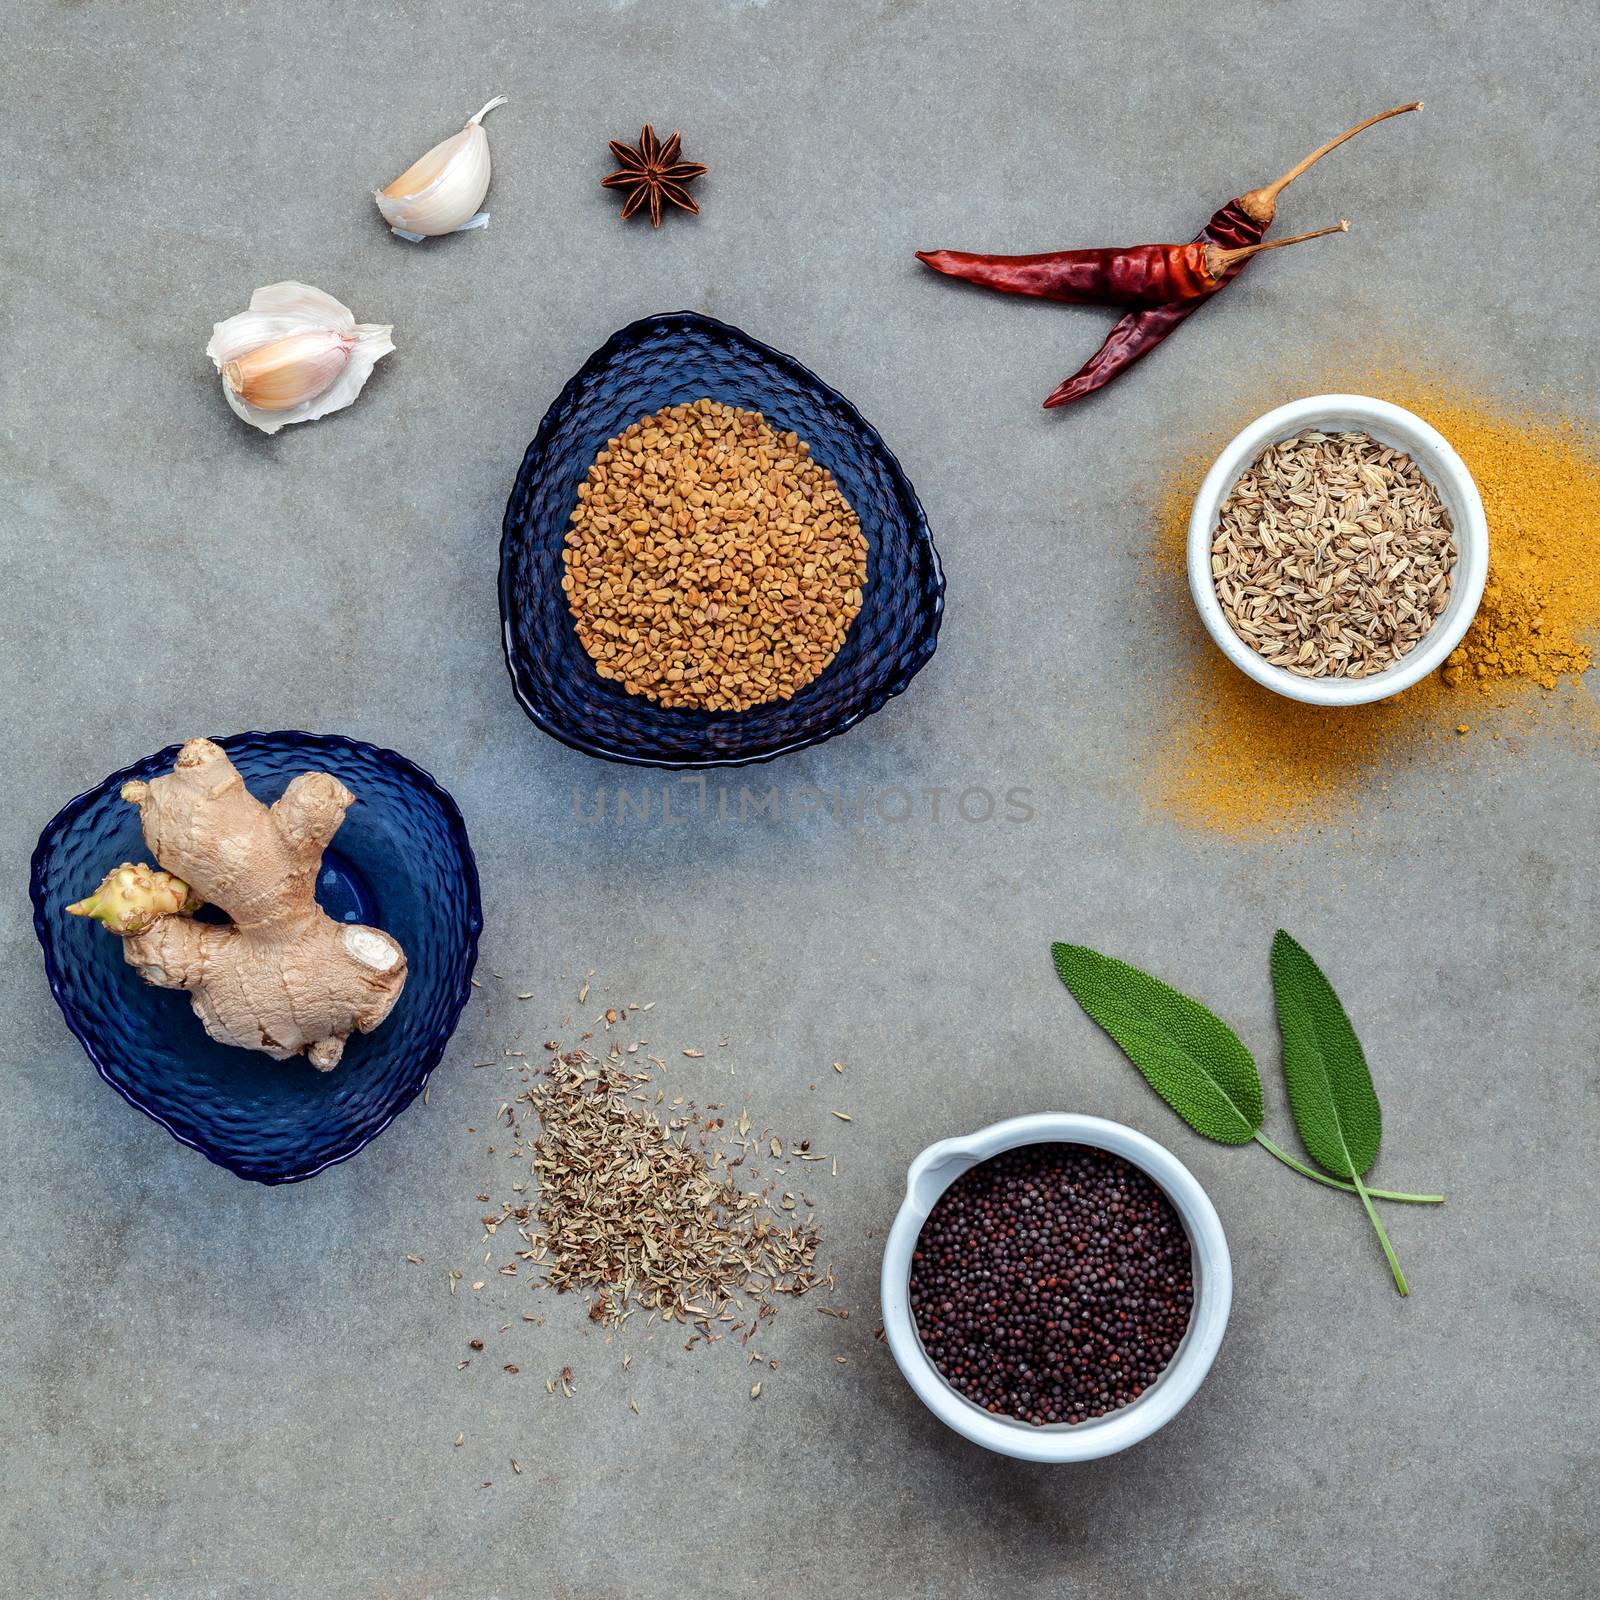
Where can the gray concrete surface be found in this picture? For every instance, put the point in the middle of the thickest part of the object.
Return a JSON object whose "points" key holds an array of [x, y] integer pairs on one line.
{"points": [[212, 1389]]}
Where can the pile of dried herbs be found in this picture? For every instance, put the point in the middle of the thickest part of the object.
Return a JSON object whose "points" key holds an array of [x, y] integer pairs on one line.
{"points": [[644, 1214]]}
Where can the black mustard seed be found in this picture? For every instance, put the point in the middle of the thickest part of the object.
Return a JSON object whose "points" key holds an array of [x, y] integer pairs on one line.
{"points": [[1052, 1283]]}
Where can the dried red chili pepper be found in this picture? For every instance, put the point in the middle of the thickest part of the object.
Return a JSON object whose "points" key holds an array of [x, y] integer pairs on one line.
{"points": [[1135, 275], [1138, 333], [1240, 223]]}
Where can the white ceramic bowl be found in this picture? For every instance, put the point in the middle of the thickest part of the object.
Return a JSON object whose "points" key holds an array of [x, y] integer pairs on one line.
{"points": [[937, 1168], [1400, 430]]}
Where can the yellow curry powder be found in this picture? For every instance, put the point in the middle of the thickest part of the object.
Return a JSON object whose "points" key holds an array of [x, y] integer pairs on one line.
{"points": [[1241, 760]]}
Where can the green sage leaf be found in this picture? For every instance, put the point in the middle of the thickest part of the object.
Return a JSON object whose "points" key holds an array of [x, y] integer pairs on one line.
{"points": [[1188, 1055], [1330, 1089]]}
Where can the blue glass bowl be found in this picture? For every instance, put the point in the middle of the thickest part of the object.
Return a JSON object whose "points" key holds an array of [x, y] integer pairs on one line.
{"points": [[667, 360], [400, 861]]}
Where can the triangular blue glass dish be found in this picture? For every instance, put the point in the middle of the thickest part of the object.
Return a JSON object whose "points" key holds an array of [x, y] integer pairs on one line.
{"points": [[400, 861], [669, 360]]}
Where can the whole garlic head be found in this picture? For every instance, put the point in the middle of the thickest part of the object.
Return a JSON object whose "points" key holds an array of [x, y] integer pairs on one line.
{"points": [[295, 355], [441, 193]]}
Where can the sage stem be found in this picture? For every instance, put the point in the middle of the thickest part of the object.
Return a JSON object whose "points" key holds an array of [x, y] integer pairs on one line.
{"points": [[1334, 1183], [1383, 1239]]}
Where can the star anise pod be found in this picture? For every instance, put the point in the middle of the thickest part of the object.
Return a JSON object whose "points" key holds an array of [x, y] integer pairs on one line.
{"points": [[652, 173]]}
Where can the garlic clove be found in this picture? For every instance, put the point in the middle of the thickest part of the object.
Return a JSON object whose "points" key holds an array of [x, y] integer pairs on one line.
{"points": [[420, 174], [294, 356], [277, 311], [372, 345], [442, 191], [288, 372]]}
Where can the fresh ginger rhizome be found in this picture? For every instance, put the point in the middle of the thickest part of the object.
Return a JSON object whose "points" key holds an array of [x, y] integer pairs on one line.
{"points": [[281, 976]]}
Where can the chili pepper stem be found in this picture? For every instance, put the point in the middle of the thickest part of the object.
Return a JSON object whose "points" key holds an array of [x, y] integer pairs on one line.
{"points": [[1218, 261], [1261, 205]]}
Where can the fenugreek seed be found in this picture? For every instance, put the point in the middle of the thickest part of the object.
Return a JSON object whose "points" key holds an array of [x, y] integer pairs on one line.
{"points": [[715, 566]]}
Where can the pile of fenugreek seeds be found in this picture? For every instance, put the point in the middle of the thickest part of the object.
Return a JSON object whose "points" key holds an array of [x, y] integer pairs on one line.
{"points": [[711, 563], [1332, 556]]}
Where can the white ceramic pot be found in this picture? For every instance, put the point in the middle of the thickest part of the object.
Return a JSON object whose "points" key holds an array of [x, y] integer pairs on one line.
{"points": [[1444, 469], [937, 1168]]}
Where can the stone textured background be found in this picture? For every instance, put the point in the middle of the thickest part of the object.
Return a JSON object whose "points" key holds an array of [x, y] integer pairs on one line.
{"points": [[212, 1389]]}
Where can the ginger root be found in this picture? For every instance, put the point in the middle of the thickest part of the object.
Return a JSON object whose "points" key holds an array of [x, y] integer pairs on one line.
{"points": [[284, 977], [131, 898]]}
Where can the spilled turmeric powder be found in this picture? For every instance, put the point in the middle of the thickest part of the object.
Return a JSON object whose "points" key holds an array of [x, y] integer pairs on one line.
{"points": [[1241, 760]]}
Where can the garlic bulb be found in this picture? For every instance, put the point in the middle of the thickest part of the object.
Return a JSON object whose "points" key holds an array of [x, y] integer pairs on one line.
{"points": [[295, 355], [441, 193]]}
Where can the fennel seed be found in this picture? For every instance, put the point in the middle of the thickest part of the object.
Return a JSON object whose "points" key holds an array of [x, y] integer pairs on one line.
{"points": [[1333, 556], [637, 1213]]}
